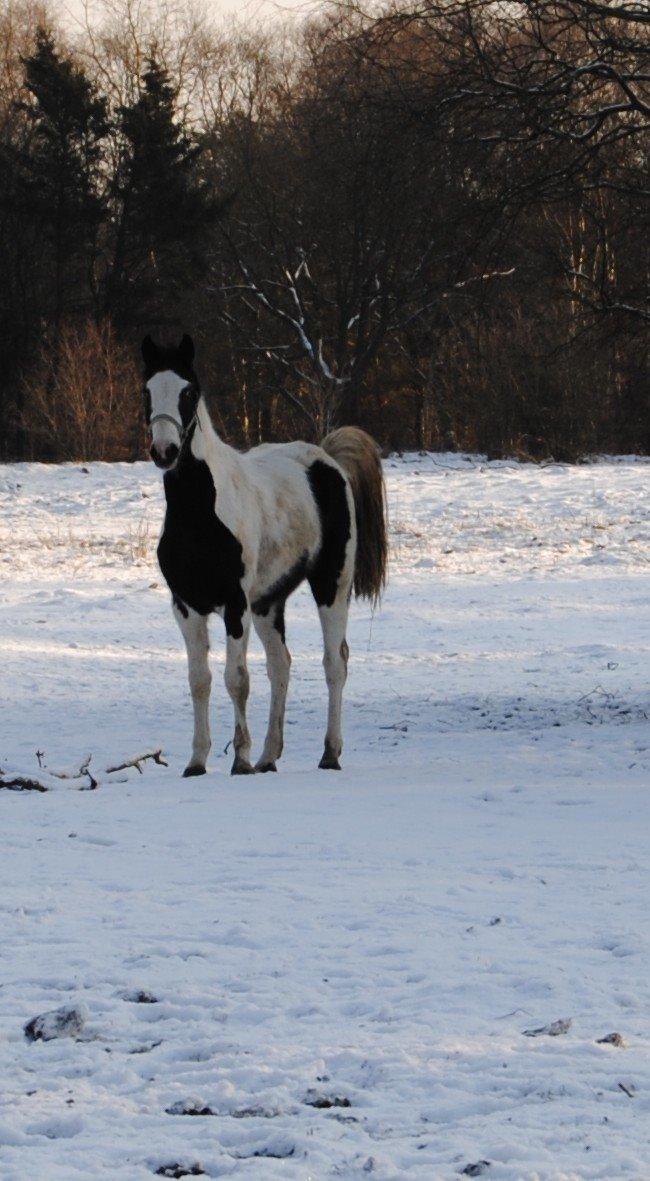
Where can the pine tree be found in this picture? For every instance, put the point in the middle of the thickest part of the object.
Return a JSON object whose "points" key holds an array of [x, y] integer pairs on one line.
{"points": [[163, 207], [59, 173]]}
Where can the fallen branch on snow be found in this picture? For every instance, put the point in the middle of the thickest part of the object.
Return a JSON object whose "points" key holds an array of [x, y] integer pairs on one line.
{"points": [[16, 782], [80, 774], [154, 755], [21, 783]]}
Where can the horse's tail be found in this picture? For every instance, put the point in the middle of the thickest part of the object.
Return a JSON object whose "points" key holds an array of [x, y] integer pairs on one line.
{"points": [[360, 459]]}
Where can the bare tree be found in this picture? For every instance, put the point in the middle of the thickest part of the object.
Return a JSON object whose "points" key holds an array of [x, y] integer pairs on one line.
{"points": [[87, 408]]}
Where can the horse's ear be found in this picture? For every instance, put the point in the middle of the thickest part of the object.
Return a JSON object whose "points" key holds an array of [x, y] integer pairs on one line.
{"points": [[186, 350], [149, 351]]}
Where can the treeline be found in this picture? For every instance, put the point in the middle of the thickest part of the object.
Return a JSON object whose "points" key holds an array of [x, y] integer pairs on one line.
{"points": [[431, 220]]}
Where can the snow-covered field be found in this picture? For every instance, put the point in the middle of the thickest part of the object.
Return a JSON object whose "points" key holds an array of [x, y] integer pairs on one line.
{"points": [[340, 967]]}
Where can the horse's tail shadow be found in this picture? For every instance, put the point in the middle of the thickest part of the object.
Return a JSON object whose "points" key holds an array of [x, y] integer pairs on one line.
{"points": [[359, 456]]}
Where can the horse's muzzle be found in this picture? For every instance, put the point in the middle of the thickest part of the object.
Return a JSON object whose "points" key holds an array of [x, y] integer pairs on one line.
{"points": [[166, 458]]}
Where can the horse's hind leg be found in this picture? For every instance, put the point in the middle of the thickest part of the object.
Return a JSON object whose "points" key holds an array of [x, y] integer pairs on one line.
{"points": [[194, 628], [334, 622], [237, 684], [270, 629]]}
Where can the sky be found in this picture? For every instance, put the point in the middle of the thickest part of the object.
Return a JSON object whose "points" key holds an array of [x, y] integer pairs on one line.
{"points": [[248, 10]]}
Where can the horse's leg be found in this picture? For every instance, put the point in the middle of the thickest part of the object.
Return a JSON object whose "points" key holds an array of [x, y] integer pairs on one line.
{"points": [[334, 621], [195, 633], [270, 629], [237, 684]]}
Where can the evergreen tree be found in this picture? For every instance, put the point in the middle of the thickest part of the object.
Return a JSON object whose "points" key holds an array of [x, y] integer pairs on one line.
{"points": [[59, 181], [50, 215], [163, 207]]}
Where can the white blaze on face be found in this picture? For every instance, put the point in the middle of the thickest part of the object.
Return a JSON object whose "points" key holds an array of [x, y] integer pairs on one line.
{"points": [[164, 389]]}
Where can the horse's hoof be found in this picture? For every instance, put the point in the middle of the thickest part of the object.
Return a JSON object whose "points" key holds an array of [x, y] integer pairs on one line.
{"points": [[329, 763], [264, 767], [193, 769], [241, 767]]}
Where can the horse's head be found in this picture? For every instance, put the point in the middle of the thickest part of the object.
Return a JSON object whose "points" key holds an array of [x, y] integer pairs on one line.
{"points": [[171, 396]]}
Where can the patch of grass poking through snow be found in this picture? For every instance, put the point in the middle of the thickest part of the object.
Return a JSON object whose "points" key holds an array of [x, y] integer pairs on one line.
{"points": [[189, 1107], [612, 1039], [324, 1102], [139, 996], [177, 1170], [68, 1021]]}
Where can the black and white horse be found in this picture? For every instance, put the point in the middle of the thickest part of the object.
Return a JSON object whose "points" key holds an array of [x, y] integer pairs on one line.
{"points": [[243, 530]]}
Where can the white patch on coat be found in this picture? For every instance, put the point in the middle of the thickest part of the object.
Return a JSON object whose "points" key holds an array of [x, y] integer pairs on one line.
{"points": [[164, 390], [264, 498]]}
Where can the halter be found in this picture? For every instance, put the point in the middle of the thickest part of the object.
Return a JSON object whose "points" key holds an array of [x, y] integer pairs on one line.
{"points": [[182, 432]]}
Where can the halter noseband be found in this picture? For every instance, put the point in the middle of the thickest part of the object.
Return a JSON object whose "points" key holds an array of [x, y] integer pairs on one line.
{"points": [[183, 432]]}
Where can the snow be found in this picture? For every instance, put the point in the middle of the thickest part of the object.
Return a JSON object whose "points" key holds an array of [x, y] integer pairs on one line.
{"points": [[261, 948]]}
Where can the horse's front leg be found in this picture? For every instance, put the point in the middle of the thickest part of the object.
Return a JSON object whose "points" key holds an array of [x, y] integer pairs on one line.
{"points": [[237, 684], [270, 629], [194, 628]]}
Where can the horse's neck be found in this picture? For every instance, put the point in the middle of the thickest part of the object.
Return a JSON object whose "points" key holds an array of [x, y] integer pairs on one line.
{"points": [[206, 444]]}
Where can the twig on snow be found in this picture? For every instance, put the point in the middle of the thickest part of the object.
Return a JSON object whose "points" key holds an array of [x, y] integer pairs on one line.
{"points": [[154, 755], [554, 1029]]}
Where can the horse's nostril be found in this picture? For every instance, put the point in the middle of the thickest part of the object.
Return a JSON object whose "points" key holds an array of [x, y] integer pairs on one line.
{"points": [[165, 458]]}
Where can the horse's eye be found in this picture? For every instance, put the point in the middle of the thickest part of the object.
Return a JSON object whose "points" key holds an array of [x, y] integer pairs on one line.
{"points": [[147, 406]]}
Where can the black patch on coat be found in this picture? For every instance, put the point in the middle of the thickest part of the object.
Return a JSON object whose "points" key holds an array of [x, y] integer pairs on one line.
{"points": [[285, 586], [278, 622], [159, 358], [180, 606], [200, 559], [328, 489]]}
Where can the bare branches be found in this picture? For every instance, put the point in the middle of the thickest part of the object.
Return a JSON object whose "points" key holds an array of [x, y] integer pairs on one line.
{"points": [[25, 783], [81, 773]]}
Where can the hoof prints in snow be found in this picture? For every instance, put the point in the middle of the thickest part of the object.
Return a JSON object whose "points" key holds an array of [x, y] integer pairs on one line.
{"points": [[524, 715]]}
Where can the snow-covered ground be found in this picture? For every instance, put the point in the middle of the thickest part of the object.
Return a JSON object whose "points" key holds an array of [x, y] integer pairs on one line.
{"points": [[378, 939]]}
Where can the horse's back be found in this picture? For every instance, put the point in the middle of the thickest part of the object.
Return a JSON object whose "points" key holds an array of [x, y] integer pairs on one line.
{"points": [[286, 456]]}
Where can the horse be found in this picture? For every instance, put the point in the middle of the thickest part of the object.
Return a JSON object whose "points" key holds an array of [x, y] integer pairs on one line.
{"points": [[242, 530]]}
